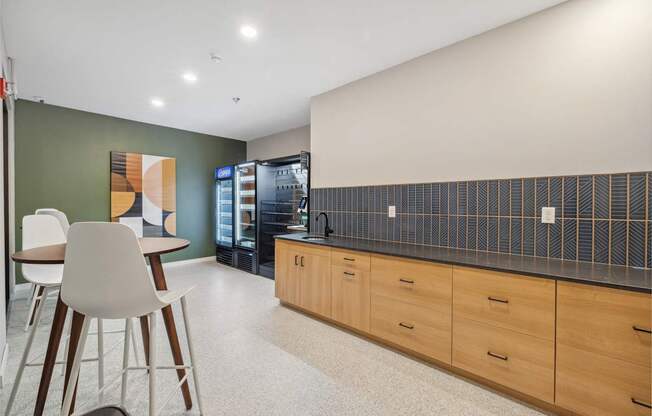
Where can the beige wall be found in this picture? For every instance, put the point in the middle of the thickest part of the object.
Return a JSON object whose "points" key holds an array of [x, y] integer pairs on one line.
{"points": [[565, 91], [286, 143]]}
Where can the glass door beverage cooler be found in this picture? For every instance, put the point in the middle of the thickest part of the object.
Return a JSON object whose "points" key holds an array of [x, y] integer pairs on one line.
{"points": [[245, 217], [224, 214]]}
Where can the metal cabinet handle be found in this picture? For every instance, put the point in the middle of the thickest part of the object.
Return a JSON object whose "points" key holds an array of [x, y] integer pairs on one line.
{"points": [[493, 299], [499, 356], [301, 261], [641, 329], [349, 274], [641, 403], [296, 260], [411, 282], [406, 325], [348, 259]]}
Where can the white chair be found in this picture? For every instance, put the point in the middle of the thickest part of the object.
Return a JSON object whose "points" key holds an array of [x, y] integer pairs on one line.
{"points": [[38, 231], [59, 215], [106, 277], [36, 292]]}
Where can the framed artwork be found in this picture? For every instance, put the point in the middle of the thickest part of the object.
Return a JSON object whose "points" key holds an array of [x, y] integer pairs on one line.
{"points": [[143, 193]]}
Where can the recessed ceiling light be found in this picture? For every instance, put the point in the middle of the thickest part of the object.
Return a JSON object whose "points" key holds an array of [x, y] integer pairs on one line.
{"points": [[157, 102], [189, 77], [248, 31]]}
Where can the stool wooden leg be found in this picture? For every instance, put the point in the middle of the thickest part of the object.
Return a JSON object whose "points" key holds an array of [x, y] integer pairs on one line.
{"points": [[76, 363], [25, 357], [152, 364]]}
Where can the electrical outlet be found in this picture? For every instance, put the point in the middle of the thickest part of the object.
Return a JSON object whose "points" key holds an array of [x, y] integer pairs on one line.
{"points": [[548, 215], [391, 211]]}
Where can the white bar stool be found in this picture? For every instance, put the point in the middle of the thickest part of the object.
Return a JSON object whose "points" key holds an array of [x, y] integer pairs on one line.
{"points": [[38, 231], [104, 261]]}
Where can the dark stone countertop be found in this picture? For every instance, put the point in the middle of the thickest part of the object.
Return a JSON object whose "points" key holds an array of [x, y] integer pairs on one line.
{"points": [[618, 277]]}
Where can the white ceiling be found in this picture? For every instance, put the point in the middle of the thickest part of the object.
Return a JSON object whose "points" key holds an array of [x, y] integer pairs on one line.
{"points": [[111, 57]]}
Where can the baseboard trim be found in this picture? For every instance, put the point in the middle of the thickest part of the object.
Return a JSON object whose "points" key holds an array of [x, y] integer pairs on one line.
{"points": [[3, 365], [189, 261]]}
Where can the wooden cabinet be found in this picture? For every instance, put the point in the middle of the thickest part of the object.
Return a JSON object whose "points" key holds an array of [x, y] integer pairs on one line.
{"points": [[303, 276], [350, 288], [315, 281], [518, 361], [414, 327], [504, 329], [411, 305], [416, 282], [581, 348], [607, 321], [509, 301], [603, 350]]}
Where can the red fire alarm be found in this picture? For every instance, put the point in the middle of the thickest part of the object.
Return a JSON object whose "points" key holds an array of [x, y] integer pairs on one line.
{"points": [[3, 90]]}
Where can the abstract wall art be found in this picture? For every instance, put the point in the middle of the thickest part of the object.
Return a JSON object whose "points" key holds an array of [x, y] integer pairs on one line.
{"points": [[143, 193]]}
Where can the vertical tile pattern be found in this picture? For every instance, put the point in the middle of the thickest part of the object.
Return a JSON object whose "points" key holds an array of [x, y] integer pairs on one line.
{"points": [[599, 218]]}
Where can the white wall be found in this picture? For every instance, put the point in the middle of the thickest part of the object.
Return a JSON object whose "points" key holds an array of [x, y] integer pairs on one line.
{"points": [[290, 142], [564, 91]]}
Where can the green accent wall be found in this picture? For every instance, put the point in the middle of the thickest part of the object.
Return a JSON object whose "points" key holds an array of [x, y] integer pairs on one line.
{"points": [[62, 160]]}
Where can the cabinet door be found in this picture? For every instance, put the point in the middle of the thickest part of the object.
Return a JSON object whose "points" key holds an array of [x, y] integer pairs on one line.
{"points": [[351, 297], [287, 273], [315, 285]]}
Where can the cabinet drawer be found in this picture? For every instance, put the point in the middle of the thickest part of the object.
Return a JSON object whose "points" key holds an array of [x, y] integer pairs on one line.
{"points": [[518, 361], [351, 298], [519, 303], [608, 321], [415, 282], [594, 385], [411, 326], [351, 259]]}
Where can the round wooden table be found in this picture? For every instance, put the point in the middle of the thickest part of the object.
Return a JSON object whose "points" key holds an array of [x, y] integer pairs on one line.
{"points": [[55, 254]]}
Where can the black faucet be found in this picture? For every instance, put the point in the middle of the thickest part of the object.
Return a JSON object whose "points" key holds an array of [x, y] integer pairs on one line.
{"points": [[327, 229]]}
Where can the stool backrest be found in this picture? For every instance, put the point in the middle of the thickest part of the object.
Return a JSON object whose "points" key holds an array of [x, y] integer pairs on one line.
{"points": [[59, 215], [41, 230], [105, 274]]}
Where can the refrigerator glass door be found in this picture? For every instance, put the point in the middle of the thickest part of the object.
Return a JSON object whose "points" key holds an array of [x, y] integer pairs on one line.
{"points": [[245, 206], [224, 210]]}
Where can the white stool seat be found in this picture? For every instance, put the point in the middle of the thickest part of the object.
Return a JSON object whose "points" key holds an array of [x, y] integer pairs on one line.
{"points": [[47, 275]]}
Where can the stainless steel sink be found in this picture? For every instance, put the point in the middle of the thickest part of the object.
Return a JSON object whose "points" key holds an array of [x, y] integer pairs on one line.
{"points": [[313, 238]]}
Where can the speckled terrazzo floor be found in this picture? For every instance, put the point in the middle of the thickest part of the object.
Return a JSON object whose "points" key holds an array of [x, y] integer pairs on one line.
{"points": [[258, 358]]}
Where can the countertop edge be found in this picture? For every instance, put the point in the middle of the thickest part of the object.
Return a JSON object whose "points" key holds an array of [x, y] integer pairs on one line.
{"points": [[586, 281]]}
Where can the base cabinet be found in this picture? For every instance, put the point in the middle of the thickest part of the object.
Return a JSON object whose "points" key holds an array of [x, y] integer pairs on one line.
{"points": [[518, 361], [303, 277], [603, 351], [573, 347]]}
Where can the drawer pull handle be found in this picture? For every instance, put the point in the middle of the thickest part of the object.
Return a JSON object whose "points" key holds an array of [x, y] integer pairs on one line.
{"points": [[499, 356], [348, 259], [491, 298], [406, 325], [641, 403], [301, 261], [641, 329], [296, 260], [349, 274], [411, 282]]}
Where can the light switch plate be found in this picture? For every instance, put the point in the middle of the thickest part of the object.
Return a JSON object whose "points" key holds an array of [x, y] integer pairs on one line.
{"points": [[391, 211], [547, 215]]}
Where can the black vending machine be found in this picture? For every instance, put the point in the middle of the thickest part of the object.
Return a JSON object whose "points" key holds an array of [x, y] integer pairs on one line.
{"points": [[283, 187], [245, 245]]}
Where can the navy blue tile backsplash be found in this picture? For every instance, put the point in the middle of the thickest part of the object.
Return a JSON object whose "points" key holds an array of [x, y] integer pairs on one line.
{"points": [[600, 218]]}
